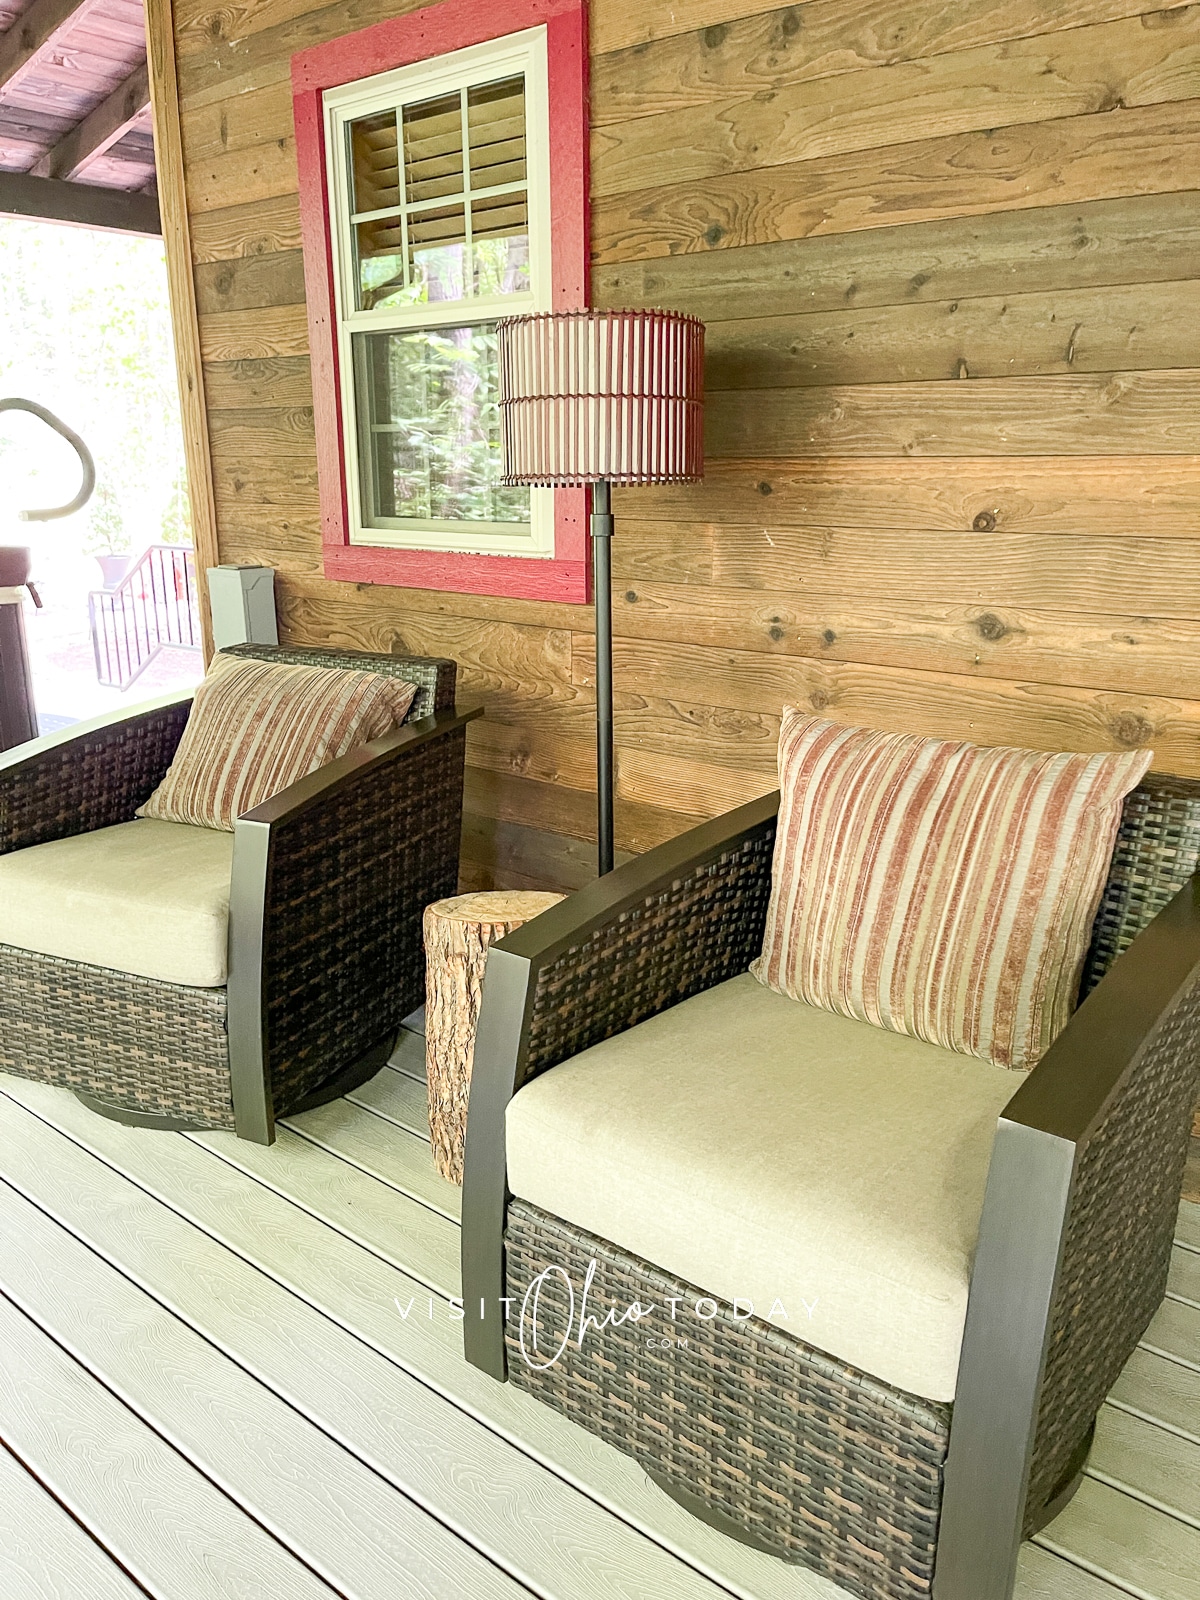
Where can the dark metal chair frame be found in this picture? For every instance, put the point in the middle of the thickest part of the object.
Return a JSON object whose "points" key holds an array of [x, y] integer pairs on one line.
{"points": [[1073, 1249], [329, 882]]}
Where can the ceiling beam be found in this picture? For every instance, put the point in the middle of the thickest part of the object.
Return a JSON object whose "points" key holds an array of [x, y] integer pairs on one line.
{"points": [[84, 205], [99, 130], [33, 31]]}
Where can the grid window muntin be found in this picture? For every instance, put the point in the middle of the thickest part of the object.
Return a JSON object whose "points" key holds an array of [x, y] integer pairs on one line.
{"points": [[518, 55]]}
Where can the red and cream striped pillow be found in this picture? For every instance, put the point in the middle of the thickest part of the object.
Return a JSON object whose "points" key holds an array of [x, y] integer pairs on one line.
{"points": [[257, 726], [943, 890]]}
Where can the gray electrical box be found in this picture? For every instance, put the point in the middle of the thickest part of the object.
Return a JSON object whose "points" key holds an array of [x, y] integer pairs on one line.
{"points": [[243, 605]]}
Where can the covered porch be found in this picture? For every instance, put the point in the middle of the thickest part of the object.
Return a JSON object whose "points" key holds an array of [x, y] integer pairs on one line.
{"points": [[232, 1371]]}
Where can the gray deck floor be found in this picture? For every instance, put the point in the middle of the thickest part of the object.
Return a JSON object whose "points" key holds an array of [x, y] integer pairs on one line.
{"points": [[230, 1372]]}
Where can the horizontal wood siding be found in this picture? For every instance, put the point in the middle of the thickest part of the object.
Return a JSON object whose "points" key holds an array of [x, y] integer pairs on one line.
{"points": [[949, 258]]}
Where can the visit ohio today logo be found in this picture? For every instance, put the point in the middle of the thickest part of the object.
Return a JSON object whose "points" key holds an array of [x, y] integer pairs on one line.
{"points": [[554, 1299]]}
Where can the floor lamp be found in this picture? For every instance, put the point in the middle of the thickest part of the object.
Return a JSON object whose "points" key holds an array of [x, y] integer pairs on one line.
{"points": [[602, 397]]}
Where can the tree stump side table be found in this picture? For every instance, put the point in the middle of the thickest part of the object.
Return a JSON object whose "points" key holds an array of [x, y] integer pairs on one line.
{"points": [[458, 933]]}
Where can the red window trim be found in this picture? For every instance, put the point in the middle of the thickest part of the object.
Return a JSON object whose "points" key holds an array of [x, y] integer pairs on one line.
{"points": [[434, 31]]}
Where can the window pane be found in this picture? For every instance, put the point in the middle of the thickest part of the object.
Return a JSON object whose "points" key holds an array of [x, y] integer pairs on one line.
{"points": [[496, 122], [374, 162], [437, 242], [433, 153], [501, 253], [380, 249], [430, 447]]}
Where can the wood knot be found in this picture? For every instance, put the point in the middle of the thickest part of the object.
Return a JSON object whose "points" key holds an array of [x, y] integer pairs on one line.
{"points": [[716, 36], [631, 596], [764, 488], [990, 627], [775, 633], [818, 699], [713, 235], [828, 636], [1132, 730], [984, 521]]}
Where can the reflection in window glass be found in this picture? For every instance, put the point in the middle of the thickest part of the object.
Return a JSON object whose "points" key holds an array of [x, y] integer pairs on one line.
{"points": [[431, 449], [433, 148], [454, 223], [374, 162], [496, 124]]}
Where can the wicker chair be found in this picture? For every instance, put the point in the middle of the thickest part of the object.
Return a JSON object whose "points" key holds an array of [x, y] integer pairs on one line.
{"points": [[329, 881], [770, 1439]]}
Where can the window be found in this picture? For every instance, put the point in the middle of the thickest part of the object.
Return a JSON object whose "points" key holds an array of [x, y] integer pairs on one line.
{"points": [[433, 204]]}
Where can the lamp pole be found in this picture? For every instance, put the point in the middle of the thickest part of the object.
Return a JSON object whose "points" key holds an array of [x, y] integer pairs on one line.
{"points": [[602, 528]]}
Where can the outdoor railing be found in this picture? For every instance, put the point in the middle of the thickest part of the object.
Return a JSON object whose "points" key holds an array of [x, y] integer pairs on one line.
{"points": [[154, 606]]}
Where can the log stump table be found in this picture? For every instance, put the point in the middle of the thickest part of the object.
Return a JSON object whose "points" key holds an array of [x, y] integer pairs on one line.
{"points": [[458, 933]]}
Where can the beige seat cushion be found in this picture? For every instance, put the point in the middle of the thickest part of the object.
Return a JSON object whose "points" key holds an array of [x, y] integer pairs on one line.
{"points": [[762, 1148], [145, 897]]}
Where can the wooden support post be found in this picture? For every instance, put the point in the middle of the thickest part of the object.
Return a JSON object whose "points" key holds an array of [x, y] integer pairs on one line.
{"points": [[172, 203]]}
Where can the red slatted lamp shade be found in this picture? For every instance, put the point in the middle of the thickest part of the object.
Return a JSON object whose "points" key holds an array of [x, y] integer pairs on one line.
{"points": [[602, 397]]}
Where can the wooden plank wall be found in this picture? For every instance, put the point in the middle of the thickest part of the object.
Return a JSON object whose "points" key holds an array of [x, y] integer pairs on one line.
{"points": [[949, 255]]}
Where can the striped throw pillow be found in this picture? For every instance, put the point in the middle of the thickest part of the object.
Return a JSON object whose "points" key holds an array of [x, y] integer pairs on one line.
{"points": [[257, 726], [942, 890]]}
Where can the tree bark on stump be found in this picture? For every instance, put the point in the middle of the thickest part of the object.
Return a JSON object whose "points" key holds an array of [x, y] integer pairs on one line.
{"points": [[458, 933]]}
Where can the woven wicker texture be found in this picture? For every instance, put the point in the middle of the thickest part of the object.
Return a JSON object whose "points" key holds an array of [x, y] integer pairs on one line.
{"points": [[93, 780], [1157, 851], [706, 927], [153, 1047], [1118, 1243], [350, 878], [825, 1466], [433, 676]]}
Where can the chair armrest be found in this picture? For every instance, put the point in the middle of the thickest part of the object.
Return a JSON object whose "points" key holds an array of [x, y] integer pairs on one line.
{"points": [[1075, 1239], [330, 880], [91, 775], [663, 927]]}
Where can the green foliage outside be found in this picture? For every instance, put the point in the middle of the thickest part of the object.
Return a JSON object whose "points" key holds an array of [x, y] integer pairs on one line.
{"points": [[434, 408], [85, 329]]}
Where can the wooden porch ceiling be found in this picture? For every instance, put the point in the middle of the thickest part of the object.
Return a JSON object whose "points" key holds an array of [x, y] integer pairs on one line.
{"points": [[75, 113]]}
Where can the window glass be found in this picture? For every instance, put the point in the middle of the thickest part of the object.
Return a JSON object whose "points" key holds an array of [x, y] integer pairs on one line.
{"points": [[431, 450], [453, 222], [435, 243]]}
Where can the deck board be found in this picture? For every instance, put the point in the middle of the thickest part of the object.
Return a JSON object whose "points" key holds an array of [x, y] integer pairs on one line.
{"points": [[378, 1147], [317, 1498], [44, 1553], [1136, 1546], [395, 1095], [296, 1259], [167, 1523], [524, 1515]]}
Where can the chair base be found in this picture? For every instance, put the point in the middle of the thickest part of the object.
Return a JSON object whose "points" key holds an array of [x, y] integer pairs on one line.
{"points": [[710, 1516], [1071, 1480], [348, 1079], [333, 1088], [138, 1119], [699, 1508]]}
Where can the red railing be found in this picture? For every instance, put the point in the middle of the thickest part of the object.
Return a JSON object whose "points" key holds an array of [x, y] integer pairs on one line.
{"points": [[154, 606]]}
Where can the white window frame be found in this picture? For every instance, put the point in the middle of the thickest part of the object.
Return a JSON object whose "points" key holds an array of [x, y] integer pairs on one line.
{"points": [[523, 52]]}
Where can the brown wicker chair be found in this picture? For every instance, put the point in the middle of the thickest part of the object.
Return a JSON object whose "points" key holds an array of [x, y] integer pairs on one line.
{"points": [[329, 881], [769, 1438]]}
